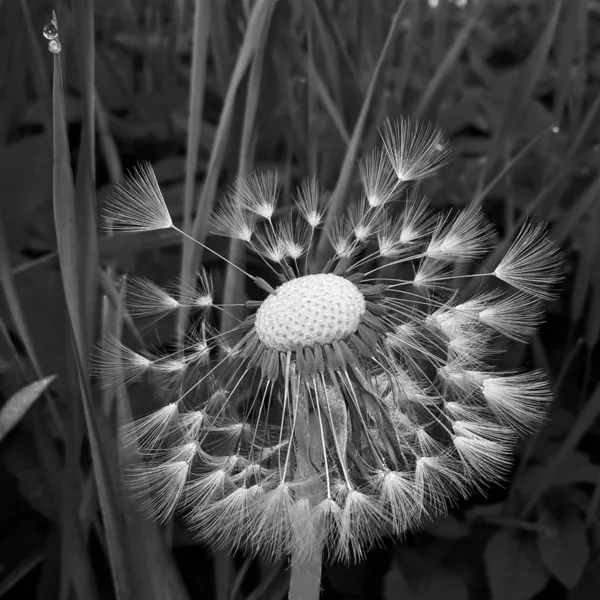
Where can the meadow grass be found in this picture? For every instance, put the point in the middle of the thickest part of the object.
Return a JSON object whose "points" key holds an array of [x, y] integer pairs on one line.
{"points": [[219, 89]]}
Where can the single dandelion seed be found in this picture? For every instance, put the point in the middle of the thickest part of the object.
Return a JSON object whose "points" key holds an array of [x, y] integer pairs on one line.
{"points": [[137, 204], [312, 202], [532, 263], [345, 406], [415, 150], [258, 193], [380, 183]]}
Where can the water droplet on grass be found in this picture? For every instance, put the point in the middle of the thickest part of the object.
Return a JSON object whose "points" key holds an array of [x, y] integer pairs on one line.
{"points": [[54, 46], [50, 31]]}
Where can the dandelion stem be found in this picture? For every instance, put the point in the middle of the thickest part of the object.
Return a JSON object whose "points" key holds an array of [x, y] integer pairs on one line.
{"points": [[305, 582]]}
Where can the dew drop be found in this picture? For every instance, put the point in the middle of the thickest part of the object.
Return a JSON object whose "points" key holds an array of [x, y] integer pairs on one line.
{"points": [[50, 31], [54, 46], [555, 129]]}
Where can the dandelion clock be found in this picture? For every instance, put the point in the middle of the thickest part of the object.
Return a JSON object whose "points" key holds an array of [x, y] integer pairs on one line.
{"points": [[355, 400]]}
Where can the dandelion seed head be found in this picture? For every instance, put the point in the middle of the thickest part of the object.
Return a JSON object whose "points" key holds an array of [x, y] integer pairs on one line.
{"points": [[348, 403]]}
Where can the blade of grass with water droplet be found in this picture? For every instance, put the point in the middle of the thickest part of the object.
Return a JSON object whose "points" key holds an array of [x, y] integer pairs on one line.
{"points": [[69, 258]]}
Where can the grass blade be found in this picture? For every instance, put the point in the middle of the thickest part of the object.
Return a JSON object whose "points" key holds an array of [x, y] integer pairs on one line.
{"points": [[85, 185], [444, 70], [584, 421], [69, 250], [202, 18], [338, 198], [192, 253], [234, 280], [14, 409], [528, 75]]}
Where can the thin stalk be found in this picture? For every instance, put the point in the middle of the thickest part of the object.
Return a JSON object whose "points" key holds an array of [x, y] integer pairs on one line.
{"points": [[305, 581]]}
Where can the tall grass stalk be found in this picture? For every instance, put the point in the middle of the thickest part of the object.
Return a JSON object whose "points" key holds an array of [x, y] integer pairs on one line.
{"points": [[192, 253], [339, 199]]}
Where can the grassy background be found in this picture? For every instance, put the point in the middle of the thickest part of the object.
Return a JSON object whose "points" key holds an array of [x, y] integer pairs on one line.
{"points": [[207, 89]]}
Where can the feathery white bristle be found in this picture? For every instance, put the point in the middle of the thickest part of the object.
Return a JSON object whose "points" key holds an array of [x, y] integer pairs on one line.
{"points": [[417, 219], [415, 150], [463, 412], [312, 202], [389, 237], [427, 443], [362, 221], [197, 294], [471, 346], [145, 299], [432, 273], [399, 494], [184, 452], [230, 522], [452, 321], [269, 244], [518, 400], [340, 237], [231, 219], [259, 192], [327, 517], [197, 352], [437, 480], [191, 423], [161, 487], [517, 316], [468, 236], [482, 459], [483, 428], [361, 519], [294, 236], [147, 433], [169, 366], [379, 182], [532, 263], [137, 204], [275, 521], [202, 490], [115, 364], [303, 540]]}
